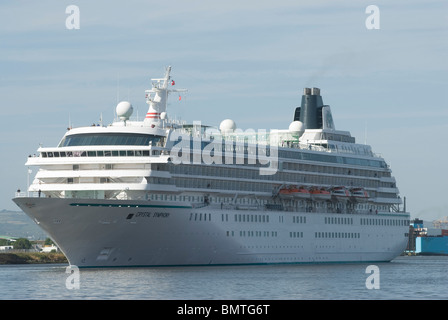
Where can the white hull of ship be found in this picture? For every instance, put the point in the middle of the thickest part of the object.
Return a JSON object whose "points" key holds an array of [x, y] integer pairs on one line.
{"points": [[102, 233]]}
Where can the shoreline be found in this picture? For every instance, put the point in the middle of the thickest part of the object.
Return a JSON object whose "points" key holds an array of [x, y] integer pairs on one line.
{"points": [[31, 258]]}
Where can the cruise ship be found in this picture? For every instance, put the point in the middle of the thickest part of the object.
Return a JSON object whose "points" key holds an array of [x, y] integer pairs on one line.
{"points": [[163, 192]]}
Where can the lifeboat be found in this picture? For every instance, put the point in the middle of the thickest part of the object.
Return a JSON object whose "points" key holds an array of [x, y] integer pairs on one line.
{"points": [[300, 192], [359, 194], [285, 192], [294, 192], [320, 194], [340, 193]]}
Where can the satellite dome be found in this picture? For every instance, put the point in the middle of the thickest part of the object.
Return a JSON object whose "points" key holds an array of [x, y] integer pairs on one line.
{"points": [[296, 126], [227, 125], [124, 110]]}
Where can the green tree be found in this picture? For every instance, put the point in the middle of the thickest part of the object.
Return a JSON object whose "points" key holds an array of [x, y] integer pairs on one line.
{"points": [[48, 242], [22, 243], [5, 242]]}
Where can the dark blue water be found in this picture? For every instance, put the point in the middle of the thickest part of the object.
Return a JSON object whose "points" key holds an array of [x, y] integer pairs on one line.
{"points": [[406, 278]]}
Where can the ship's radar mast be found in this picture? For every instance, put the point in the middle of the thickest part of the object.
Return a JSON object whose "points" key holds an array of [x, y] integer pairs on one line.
{"points": [[157, 97]]}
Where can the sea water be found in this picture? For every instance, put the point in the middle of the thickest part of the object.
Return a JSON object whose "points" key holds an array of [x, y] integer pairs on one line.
{"points": [[406, 277]]}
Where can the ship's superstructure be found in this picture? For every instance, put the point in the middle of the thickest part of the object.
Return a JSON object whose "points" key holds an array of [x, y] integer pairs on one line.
{"points": [[163, 192]]}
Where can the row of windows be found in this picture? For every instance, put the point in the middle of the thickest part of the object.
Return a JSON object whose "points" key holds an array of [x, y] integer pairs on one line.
{"points": [[301, 219], [293, 166], [201, 199], [251, 218], [295, 234], [332, 159], [171, 197], [384, 222], [338, 220], [334, 235], [216, 148], [251, 201], [233, 148], [224, 217], [100, 180], [302, 177], [102, 153], [298, 219], [227, 184], [108, 139], [251, 233], [157, 180], [200, 216]]}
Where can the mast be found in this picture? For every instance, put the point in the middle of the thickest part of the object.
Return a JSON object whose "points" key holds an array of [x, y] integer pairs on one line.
{"points": [[156, 98]]}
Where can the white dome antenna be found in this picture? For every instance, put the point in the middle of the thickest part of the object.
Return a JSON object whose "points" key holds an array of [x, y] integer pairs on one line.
{"points": [[296, 128], [124, 110], [227, 126]]}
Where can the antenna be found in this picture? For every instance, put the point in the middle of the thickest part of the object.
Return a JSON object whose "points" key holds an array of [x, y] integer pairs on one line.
{"points": [[118, 87], [69, 121], [365, 132]]}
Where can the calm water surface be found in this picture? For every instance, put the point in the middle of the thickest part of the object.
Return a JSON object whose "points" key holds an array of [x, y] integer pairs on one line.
{"points": [[404, 278]]}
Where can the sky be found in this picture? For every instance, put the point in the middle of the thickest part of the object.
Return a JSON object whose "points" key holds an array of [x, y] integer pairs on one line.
{"points": [[244, 60]]}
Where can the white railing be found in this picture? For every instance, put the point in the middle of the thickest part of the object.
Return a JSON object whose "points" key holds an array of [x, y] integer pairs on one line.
{"points": [[20, 194]]}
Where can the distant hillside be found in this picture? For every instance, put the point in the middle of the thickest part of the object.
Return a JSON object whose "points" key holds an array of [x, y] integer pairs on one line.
{"points": [[18, 224]]}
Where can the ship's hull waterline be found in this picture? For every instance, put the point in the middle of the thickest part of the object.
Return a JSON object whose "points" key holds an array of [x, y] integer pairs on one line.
{"points": [[102, 233]]}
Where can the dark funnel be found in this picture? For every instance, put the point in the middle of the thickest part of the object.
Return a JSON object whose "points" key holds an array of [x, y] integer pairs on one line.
{"points": [[310, 111]]}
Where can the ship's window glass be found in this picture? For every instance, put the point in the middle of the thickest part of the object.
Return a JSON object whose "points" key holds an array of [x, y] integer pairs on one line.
{"points": [[129, 141], [91, 153], [100, 153], [115, 153], [62, 154], [112, 139], [122, 153], [87, 140]]}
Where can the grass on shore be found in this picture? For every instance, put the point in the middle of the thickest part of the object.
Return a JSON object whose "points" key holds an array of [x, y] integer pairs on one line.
{"points": [[32, 257]]}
